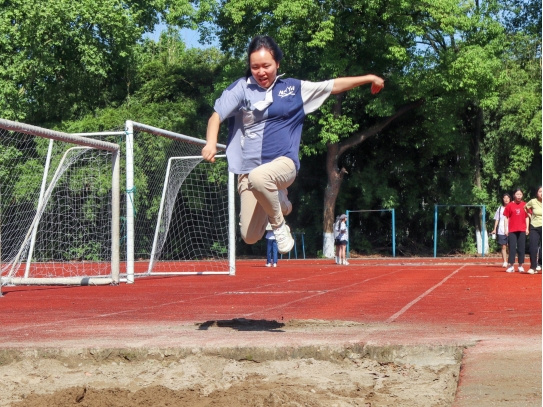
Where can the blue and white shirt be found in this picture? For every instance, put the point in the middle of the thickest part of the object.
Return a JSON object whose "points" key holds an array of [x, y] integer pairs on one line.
{"points": [[265, 124]]}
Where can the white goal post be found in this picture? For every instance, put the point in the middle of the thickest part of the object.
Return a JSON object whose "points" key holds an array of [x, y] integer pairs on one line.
{"points": [[180, 209], [64, 222], [59, 207]]}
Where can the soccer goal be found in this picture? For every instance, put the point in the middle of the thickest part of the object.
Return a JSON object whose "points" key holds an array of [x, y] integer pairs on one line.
{"points": [[371, 230], [455, 226], [180, 216], [59, 207]]}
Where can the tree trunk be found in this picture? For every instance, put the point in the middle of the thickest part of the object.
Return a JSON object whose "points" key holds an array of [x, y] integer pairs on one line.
{"points": [[335, 177], [480, 236], [335, 174]]}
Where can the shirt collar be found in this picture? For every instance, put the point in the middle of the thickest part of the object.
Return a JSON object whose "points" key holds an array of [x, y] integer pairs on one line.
{"points": [[268, 100]]}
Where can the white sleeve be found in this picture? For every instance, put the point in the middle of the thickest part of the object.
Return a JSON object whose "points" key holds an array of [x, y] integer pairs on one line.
{"points": [[315, 93], [497, 214]]}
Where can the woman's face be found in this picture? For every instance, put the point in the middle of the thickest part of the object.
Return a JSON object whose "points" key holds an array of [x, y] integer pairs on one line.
{"points": [[518, 196], [506, 199], [263, 67]]}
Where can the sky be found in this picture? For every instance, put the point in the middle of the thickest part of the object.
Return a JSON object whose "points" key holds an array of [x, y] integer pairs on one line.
{"points": [[190, 37]]}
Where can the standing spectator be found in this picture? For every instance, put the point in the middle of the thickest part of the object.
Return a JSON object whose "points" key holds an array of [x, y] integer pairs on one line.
{"points": [[533, 208], [271, 247], [336, 240], [343, 238], [516, 228], [499, 227]]}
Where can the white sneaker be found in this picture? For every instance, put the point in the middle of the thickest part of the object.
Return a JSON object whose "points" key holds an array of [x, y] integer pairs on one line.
{"points": [[520, 269], [345, 262], [538, 268], [286, 205], [268, 265], [285, 242], [510, 269], [274, 264], [504, 265], [531, 271]]}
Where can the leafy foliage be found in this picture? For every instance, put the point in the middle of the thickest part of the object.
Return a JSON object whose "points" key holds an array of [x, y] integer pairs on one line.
{"points": [[85, 67]]}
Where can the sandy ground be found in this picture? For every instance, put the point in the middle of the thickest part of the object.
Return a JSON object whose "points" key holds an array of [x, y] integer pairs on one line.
{"points": [[339, 369], [488, 355], [313, 376]]}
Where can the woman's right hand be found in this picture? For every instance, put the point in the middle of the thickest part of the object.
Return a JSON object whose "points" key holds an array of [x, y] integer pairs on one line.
{"points": [[209, 151]]}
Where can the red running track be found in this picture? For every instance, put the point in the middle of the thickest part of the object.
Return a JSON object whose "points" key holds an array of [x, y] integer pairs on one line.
{"points": [[456, 294], [472, 303]]}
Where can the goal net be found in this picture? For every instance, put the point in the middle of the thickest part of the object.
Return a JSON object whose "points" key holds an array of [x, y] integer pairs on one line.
{"points": [[59, 207], [180, 209]]}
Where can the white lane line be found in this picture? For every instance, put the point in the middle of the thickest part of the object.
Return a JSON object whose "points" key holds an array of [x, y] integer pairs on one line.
{"points": [[283, 305], [420, 297]]}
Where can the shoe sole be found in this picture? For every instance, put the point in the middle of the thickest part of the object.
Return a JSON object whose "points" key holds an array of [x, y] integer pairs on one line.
{"points": [[290, 244], [286, 250]]}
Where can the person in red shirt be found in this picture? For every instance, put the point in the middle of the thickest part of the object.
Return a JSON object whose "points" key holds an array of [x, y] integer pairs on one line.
{"points": [[516, 228]]}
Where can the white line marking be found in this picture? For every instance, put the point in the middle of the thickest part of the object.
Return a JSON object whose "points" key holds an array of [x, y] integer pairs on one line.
{"points": [[272, 292], [284, 305], [420, 297]]}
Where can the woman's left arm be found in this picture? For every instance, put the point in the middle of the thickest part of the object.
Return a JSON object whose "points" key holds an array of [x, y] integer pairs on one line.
{"points": [[350, 82], [528, 207]]}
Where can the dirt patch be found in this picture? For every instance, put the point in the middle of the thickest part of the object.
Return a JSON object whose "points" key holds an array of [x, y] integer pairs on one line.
{"points": [[293, 376]]}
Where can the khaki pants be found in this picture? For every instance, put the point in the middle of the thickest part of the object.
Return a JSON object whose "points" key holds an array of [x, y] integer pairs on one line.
{"points": [[263, 197]]}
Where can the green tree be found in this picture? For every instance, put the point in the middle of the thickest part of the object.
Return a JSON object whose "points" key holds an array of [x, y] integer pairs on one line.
{"points": [[171, 90], [63, 59], [512, 144], [328, 39], [485, 80]]}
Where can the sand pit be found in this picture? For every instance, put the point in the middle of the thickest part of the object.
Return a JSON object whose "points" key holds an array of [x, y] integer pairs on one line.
{"points": [[305, 376]]}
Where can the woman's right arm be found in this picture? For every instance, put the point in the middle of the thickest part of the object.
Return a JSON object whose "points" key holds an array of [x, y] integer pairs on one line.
{"points": [[495, 226], [212, 135]]}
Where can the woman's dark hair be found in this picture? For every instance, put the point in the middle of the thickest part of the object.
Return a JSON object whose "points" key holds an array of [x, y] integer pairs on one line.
{"points": [[263, 41], [506, 194]]}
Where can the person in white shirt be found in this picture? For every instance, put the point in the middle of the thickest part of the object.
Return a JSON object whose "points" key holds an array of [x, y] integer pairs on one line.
{"points": [[499, 228], [271, 247], [343, 238]]}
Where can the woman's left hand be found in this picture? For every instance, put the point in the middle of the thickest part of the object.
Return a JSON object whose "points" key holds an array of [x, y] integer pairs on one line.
{"points": [[377, 84]]}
